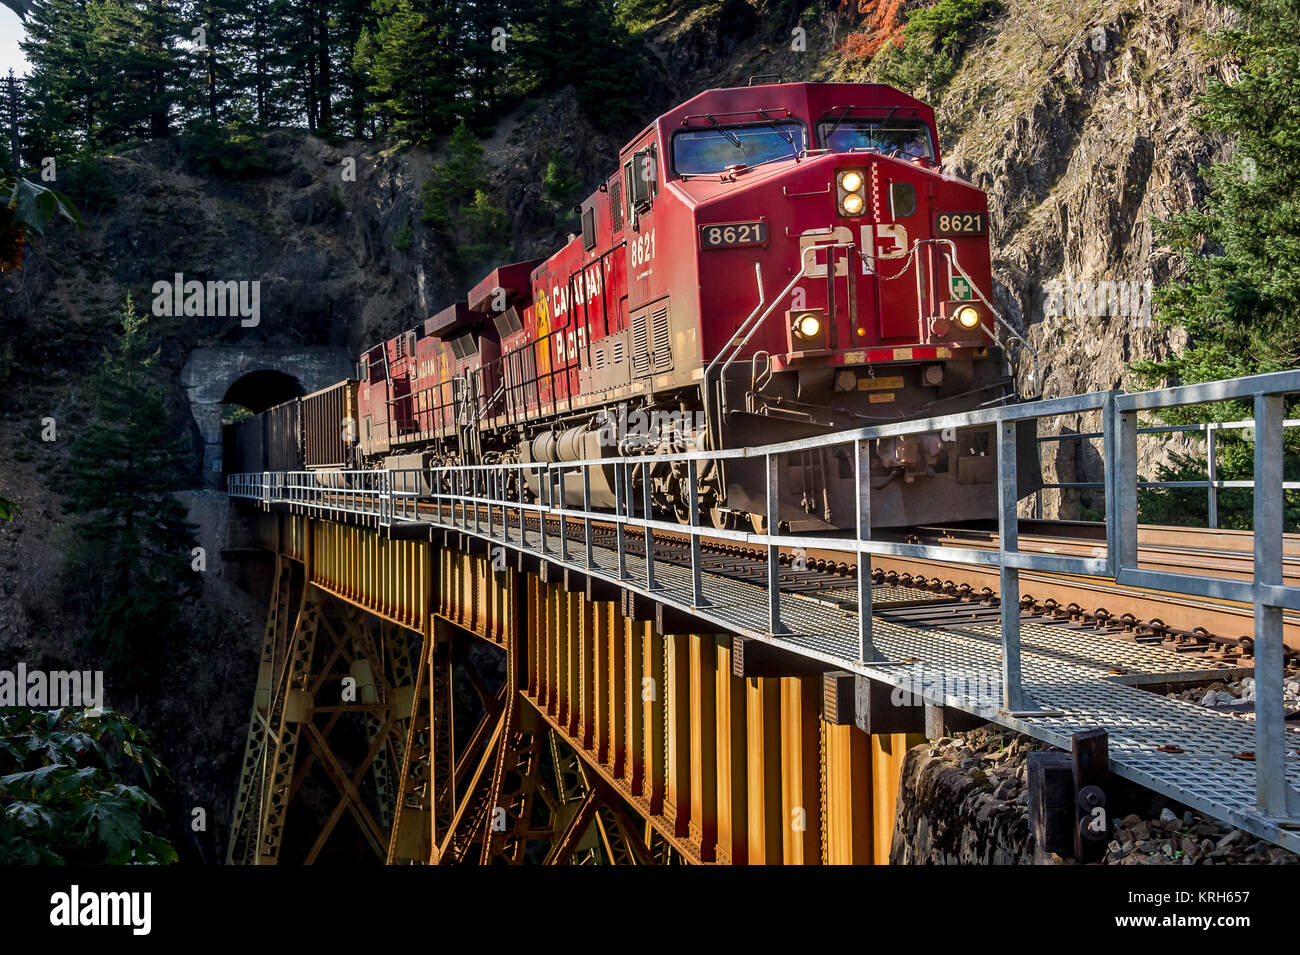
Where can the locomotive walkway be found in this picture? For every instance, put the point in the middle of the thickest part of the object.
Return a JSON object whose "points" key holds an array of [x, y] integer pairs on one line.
{"points": [[1040, 677]]}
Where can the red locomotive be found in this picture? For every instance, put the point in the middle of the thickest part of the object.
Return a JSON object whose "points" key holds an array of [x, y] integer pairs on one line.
{"points": [[766, 263]]}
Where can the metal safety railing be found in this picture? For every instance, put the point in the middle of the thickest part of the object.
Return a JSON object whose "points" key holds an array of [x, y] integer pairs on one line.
{"points": [[493, 502], [1265, 590], [1211, 485]]}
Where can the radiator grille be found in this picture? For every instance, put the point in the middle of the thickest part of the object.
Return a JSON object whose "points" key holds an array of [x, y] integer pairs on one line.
{"points": [[640, 345], [663, 352]]}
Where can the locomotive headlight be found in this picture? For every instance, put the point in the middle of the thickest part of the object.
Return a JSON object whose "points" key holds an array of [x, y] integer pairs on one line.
{"points": [[807, 326], [968, 317], [850, 192]]}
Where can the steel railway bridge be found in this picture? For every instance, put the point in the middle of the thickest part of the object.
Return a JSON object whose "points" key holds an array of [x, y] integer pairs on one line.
{"points": [[455, 672]]}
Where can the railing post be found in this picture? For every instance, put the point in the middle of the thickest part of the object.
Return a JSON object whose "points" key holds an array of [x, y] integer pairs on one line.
{"points": [[775, 626], [586, 513], [1109, 477], [1013, 693], [523, 527], [647, 512], [544, 499], [1273, 794], [693, 502], [1212, 471], [621, 505], [1124, 529], [862, 474], [564, 505]]}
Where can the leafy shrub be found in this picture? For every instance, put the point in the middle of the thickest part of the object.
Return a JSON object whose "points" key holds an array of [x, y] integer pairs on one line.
{"points": [[70, 789], [232, 151], [87, 184], [456, 205], [928, 51], [559, 182], [402, 238]]}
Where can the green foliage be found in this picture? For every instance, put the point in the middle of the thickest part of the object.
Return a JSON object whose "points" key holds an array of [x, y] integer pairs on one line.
{"points": [[559, 182], [457, 208], [130, 546], [232, 151], [31, 206], [637, 15], [1240, 293], [8, 510], [932, 44], [410, 66], [88, 185], [605, 66], [403, 238], [74, 790]]}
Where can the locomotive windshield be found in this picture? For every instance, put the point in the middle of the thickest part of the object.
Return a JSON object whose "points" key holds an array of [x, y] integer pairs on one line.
{"points": [[910, 140], [702, 151]]}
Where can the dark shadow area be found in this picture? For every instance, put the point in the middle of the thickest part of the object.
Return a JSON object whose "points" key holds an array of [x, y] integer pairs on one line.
{"points": [[259, 390]]}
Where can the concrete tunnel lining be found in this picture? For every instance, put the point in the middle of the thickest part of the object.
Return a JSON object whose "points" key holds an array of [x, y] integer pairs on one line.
{"points": [[216, 376]]}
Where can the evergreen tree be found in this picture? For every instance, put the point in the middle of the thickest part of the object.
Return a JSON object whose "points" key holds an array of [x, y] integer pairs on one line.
{"points": [[581, 42], [1241, 291], [131, 551], [218, 62], [1242, 247], [61, 91], [457, 208], [411, 63], [138, 58]]}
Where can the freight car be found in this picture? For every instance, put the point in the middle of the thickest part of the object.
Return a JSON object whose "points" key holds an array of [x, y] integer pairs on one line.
{"points": [[317, 432], [765, 263]]}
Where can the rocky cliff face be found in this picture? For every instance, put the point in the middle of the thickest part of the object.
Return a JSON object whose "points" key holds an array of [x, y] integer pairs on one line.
{"points": [[1077, 123]]}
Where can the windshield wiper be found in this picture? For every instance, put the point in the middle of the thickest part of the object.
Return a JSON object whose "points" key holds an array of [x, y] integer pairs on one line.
{"points": [[873, 127], [771, 122], [826, 140], [732, 137], [794, 151]]}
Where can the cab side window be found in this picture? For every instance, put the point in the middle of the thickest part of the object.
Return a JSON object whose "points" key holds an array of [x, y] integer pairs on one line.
{"points": [[642, 177]]}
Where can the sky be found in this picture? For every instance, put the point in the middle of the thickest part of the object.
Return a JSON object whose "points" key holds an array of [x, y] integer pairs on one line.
{"points": [[11, 30]]}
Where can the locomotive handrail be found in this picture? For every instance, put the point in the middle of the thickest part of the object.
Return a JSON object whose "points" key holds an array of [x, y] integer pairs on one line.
{"points": [[951, 256]]}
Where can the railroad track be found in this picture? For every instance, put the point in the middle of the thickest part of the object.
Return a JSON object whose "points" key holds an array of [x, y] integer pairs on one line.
{"points": [[965, 594], [938, 593]]}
